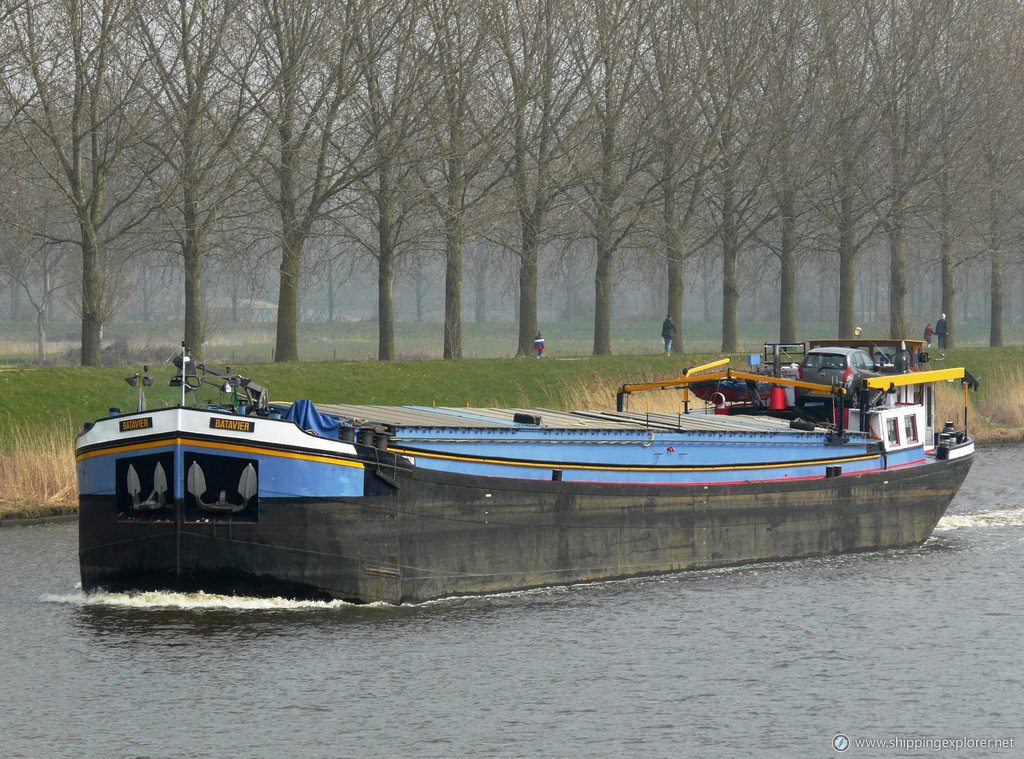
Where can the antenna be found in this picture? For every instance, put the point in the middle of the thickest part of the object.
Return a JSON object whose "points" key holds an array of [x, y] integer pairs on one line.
{"points": [[181, 378], [184, 359]]}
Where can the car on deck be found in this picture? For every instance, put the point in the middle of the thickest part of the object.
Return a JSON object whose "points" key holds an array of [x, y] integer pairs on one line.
{"points": [[835, 365]]}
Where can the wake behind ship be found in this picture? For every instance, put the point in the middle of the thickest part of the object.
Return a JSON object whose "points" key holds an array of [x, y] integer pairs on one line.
{"points": [[408, 503]]}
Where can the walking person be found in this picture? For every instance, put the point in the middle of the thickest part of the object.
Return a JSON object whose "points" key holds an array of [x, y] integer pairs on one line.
{"points": [[538, 344], [941, 331], [668, 333], [928, 332]]}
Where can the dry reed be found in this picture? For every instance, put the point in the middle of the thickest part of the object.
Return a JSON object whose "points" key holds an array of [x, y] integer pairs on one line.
{"points": [[37, 468], [994, 414], [596, 394]]}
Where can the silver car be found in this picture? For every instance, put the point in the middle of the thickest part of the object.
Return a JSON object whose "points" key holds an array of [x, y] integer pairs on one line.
{"points": [[835, 366]]}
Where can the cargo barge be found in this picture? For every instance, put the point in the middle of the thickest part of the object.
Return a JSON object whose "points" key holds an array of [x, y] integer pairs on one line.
{"points": [[405, 504]]}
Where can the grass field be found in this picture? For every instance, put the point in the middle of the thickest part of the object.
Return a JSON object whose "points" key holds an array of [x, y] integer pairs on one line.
{"points": [[42, 408]]}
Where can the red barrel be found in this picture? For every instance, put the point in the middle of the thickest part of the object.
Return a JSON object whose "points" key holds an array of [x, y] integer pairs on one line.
{"points": [[777, 399]]}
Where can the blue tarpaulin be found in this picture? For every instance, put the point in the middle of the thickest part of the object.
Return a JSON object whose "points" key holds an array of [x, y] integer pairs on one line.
{"points": [[305, 414]]}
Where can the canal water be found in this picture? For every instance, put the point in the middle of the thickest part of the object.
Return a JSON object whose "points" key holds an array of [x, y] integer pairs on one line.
{"points": [[773, 660]]}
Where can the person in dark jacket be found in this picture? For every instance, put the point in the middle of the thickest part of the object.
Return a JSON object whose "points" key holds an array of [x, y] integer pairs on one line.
{"points": [[941, 331], [538, 344], [668, 332]]}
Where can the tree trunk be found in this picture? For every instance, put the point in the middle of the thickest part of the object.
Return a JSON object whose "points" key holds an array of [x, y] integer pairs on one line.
{"points": [[730, 257], [192, 262], [946, 257], [674, 256], [676, 288], [453, 289], [453, 253], [898, 273], [528, 322], [847, 267], [995, 336], [787, 271], [330, 293], [603, 284], [92, 319], [385, 299], [287, 345], [572, 296], [480, 284], [41, 334], [385, 267], [420, 291], [453, 299], [192, 253]]}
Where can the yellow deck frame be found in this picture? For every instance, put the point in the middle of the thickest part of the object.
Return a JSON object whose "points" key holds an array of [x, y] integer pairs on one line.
{"points": [[914, 378], [693, 375], [702, 373]]}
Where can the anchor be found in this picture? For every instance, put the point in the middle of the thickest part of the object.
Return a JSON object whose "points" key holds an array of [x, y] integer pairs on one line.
{"points": [[157, 499], [246, 489]]}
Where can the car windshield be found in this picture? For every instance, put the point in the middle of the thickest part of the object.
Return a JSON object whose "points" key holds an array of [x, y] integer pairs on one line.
{"points": [[825, 361]]}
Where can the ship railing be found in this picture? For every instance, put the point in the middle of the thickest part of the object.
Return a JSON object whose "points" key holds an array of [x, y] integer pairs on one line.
{"points": [[244, 395], [782, 357]]}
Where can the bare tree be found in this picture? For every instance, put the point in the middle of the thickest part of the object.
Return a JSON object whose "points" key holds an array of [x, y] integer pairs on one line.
{"points": [[607, 43], [199, 75], [788, 85], [685, 143], [733, 32], [902, 38], [27, 256], [307, 52], [83, 114], [460, 172], [12, 64], [1001, 149], [393, 75], [538, 93], [848, 126], [956, 69]]}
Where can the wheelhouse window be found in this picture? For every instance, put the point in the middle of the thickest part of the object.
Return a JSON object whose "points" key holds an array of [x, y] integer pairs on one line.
{"points": [[892, 431], [910, 428]]}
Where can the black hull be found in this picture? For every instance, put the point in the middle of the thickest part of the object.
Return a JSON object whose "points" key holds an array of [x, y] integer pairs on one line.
{"points": [[433, 535]]}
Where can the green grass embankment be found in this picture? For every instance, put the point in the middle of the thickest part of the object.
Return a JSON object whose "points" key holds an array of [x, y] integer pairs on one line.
{"points": [[41, 397]]}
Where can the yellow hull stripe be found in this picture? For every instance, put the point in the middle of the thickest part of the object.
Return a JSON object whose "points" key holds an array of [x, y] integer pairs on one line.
{"points": [[618, 467], [218, 446]]}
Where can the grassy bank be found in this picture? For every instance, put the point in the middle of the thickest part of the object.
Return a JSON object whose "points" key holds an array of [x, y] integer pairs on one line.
{"points": [[42, 409]]}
